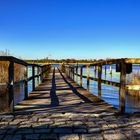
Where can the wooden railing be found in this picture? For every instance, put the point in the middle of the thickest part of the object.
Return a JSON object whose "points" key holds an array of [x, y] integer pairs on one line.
{"points": [[124, 66], [41, 71]]}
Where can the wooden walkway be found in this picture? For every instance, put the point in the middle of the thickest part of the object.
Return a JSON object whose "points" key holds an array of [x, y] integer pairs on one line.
{"points": [[60, 109]]}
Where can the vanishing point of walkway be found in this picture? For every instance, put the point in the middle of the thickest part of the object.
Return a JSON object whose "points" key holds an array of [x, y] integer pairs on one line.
{"points": [[60, 109]]}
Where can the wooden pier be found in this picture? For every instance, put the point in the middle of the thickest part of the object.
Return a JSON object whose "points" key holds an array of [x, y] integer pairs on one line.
{"points": [[60, 109]]}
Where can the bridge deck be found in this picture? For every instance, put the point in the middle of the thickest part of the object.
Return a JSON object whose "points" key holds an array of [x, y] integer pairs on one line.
{"points": [[58, 109]]}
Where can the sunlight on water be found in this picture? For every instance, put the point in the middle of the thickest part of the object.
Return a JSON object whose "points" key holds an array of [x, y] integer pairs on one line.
{"points": [[110, 93]]}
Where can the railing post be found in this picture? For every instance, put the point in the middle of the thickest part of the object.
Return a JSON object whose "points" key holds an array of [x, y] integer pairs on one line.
{"points": [[33, 74], [10, 107], [99, 80], [95, 70], [110, 69], [38, 75], [73, 72], [88, 75], [69, 70], [81, 76], [77, 73], [122, 86], [26, 82], [41, 73], [105, 71]]}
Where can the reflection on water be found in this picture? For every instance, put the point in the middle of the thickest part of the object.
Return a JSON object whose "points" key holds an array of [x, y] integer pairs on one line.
{"points": [[19, 88], [3, 98], [110, 94], [18, 93]]}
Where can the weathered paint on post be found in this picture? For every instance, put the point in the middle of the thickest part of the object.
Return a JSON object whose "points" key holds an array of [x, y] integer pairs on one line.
{"points": [[99, 80], [10, 107], [88, 75], [122, 86], [81, 74]]}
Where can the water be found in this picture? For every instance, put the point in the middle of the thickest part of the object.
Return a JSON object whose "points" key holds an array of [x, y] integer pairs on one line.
{"points": [[55, 65], [19, 87], [110, 93]]}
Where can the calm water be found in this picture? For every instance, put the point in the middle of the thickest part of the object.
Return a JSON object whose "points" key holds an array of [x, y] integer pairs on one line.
{"points": [[19, 88], [110, 94]]}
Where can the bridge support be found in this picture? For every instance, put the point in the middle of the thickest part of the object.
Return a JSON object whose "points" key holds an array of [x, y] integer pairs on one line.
{"points": [[81, 76], [122, 86], [88, 75], [99, 80]]}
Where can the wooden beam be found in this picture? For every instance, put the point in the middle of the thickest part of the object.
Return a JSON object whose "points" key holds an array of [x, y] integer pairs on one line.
{"points": [[10, 107], [122, 86]]}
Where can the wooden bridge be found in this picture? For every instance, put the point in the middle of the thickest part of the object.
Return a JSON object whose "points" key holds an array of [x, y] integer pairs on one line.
{"points": [[58, 108]]}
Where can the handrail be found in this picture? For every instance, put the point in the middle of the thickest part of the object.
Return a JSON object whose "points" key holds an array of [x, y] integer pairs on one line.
{"points": [[41, 70], [14, 59], [124, 63]]}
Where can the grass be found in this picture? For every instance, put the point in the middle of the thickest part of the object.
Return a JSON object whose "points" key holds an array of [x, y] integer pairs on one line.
{"points": [[134, 84], [4, 71], [18, 75]]}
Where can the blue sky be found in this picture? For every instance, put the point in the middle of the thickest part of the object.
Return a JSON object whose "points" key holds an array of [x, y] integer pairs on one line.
{"points": [[70, 28]]}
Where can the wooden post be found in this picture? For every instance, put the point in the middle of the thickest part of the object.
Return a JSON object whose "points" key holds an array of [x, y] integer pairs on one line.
{"points": [[33, 74], [99, 80], [73, 72], [122, 86], [10, 107], [81, 76], [26, 82], [76, 73], [88, 75], [105, 70], [38, 75], [41, 71], [95, 70], [69, 70]]}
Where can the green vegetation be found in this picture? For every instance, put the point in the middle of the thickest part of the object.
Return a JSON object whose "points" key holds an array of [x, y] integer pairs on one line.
{"points": [[61, 61]]}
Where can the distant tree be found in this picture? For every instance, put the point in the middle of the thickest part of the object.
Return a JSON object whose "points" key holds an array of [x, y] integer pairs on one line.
{"points": [[5, 53]]}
